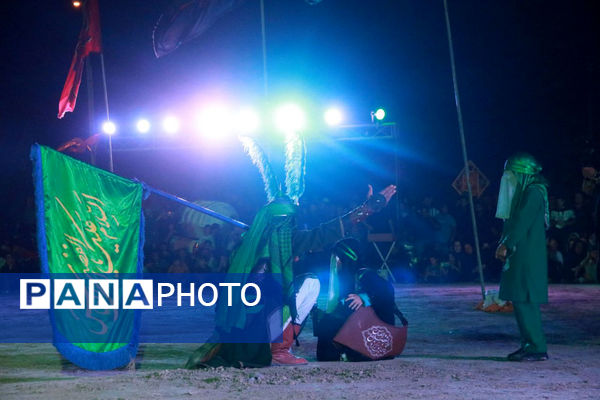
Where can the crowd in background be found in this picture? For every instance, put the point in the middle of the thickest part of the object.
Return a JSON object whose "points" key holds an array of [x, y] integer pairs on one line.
{"points": [[572, 241], [18, 248], [433, 239], [173, 246]]}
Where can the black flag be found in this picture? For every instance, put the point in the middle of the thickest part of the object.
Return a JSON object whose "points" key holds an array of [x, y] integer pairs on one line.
{"points": [[186, 20]]}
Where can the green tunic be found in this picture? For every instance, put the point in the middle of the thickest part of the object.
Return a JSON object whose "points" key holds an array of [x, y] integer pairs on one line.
{"points": [[280, 241], [241, 355], [526, 279]]}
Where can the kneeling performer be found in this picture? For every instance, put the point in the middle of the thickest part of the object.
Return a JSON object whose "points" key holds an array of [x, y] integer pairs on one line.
{"points": [[270, 246], [351, 286]]}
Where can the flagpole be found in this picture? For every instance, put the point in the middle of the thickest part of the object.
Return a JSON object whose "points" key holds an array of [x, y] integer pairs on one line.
{"points": [[264, 46], [110, 150], [461, 130], [194, 206], [90, 96]]}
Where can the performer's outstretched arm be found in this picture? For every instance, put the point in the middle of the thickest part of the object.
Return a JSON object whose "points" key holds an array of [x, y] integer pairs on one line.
{"points": [[328, 233]]}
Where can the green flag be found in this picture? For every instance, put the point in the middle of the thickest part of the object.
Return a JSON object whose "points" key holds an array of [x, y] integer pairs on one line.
{"points": [[89, 223]]}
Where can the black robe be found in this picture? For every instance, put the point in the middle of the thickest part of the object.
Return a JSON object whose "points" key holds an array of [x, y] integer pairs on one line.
{"points": [[327, 325]]}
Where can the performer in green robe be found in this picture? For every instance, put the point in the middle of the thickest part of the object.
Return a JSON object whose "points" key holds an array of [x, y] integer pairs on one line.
{"points": [[270, 246], [523, 204]]}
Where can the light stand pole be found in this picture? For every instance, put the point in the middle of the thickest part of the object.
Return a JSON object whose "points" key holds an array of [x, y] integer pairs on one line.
{"points": [[463, 144]]}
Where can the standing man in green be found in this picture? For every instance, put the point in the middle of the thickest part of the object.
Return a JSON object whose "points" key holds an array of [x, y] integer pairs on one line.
{"points": [[523, 205]]}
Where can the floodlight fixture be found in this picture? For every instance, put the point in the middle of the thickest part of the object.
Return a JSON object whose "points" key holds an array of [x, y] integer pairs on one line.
{"points": [[333, 116], [171, 124], [290, 118], [248, 121], [214, 121], [379, 114], [109, 127], [143, 126]]}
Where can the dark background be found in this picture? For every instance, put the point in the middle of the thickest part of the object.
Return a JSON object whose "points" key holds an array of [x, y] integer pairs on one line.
{"points": [[527, 73]]}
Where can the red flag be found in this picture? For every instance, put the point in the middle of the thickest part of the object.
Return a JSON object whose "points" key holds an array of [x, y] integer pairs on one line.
{"points": [[78, 145], [89, 42]]}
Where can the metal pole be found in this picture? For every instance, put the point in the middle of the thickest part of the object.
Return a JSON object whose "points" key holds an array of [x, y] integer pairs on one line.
{"points": [[396, 171], [90, 98], [464, 148], [110, 152], [196, 207], [264, 46]]}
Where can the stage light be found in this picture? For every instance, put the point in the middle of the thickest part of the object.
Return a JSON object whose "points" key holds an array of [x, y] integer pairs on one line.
{"points": [[248, 121], [214, 121], [379, 114], [109, 127], [143, 126], [290, 118], [171, 124], [76, 4], [333, 116]]}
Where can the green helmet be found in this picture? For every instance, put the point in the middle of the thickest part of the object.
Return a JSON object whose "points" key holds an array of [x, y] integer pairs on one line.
{"points": [[523, 163], [347, 250]]}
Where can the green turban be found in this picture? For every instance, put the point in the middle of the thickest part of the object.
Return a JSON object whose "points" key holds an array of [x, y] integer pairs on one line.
{"points": [[525, 171], [523, 163]]}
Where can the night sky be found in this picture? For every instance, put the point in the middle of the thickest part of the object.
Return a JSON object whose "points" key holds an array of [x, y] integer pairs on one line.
{"points": [[527, 73]]}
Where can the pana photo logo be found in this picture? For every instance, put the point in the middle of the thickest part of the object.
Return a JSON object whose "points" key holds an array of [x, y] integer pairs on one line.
{"points": [[136, 294]]}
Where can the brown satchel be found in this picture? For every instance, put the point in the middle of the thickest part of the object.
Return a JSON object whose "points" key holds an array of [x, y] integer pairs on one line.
{"points": [[365, 333]]}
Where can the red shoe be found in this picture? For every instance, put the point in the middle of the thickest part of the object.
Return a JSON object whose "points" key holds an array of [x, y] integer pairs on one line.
{"points": [[280, 352]]}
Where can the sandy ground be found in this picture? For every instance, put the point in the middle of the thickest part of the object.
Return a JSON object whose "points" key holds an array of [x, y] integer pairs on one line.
{"points": [[453, 352]]}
